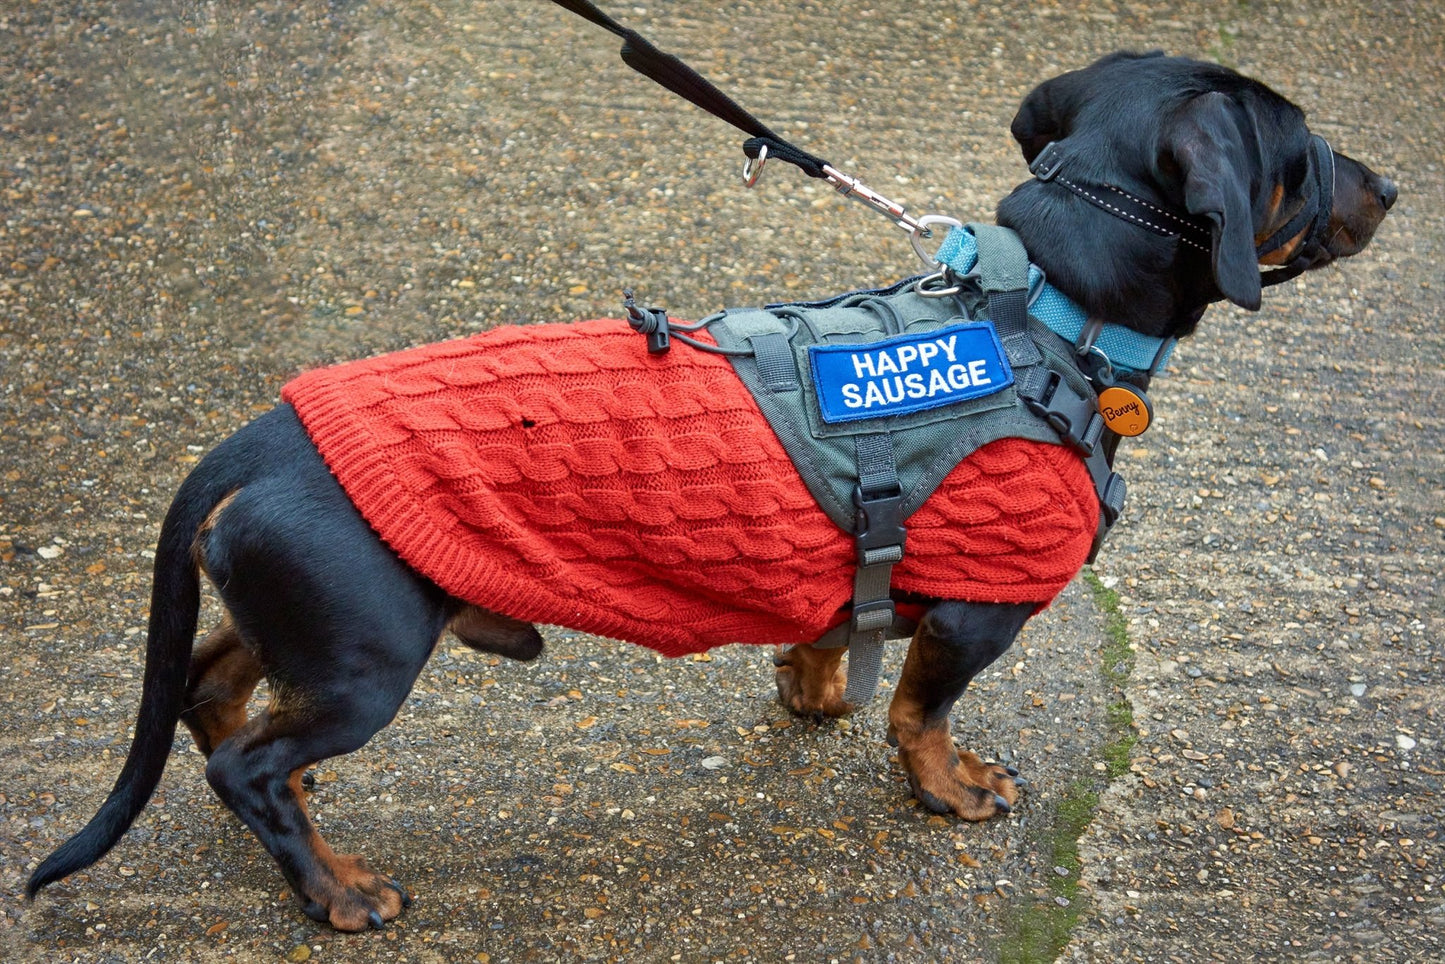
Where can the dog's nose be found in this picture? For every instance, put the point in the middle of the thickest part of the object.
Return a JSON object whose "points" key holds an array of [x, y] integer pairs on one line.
{"points": [[1388, 193]]}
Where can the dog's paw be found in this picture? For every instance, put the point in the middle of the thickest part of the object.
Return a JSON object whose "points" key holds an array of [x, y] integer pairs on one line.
{"points": [[811, 682], [357, 897], [946, 781]]}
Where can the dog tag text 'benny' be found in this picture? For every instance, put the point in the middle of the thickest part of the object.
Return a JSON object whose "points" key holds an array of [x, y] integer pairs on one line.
{"points": [[908, 373]]}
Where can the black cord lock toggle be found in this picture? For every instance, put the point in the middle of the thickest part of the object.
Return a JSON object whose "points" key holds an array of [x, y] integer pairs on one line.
{"points": [[651, 322]]}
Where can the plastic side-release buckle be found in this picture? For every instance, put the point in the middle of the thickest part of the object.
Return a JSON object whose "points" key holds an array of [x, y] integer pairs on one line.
{"points": [[878, 541], [1112, 501], [878, 537], [1076, 419], [1111, 505], [878, 533]]}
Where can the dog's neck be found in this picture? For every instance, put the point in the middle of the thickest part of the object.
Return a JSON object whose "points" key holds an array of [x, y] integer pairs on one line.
{"points": [[1127, 350], [1114, 271]]}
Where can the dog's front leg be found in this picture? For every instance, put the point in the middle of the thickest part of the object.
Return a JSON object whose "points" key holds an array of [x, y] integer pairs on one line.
{"points": [[954, 642]]}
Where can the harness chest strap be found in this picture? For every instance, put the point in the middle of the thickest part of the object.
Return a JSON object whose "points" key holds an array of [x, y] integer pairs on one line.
{"points": [[878, 537], [1073, 415]]}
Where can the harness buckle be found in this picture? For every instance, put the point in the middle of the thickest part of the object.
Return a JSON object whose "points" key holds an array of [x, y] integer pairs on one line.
{"points": [[1077, 420], [1112, 492], [878, 533], [1111, 504]]}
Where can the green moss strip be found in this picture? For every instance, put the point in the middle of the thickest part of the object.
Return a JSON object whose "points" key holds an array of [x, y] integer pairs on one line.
{"points": [[1036, 932], [1118, 660]]}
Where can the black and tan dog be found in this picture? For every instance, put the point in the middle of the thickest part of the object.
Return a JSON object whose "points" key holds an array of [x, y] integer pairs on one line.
{"points": [[320, 607]]}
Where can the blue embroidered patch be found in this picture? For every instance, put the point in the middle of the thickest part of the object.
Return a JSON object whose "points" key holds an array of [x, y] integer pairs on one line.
{"points": [[908, 373]]}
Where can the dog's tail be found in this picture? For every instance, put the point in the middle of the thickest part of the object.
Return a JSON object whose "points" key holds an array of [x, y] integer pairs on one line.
{"points": [[175, 607]]}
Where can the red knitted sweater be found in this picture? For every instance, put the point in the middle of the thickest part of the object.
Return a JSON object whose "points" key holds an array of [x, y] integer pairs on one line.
{"points": [[559, 474]]}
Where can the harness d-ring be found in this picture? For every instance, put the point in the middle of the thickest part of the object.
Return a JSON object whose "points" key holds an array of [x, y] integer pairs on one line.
{"points": [[921, 231], [940, 284], [1085, 345], [1108, 372]]}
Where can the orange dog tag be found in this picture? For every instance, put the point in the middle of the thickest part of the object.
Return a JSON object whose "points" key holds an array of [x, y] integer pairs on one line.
{"points": [[1126, 410]]}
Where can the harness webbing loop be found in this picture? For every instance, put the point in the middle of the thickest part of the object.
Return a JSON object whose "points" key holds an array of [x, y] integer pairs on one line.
{"points": [[1002, 267]]}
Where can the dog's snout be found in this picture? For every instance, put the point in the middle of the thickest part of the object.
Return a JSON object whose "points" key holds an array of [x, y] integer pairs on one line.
{"points": [[1387, 192]]}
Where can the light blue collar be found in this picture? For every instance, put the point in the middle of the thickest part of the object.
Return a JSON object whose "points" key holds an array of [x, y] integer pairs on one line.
{"points": [[1125, 348]]}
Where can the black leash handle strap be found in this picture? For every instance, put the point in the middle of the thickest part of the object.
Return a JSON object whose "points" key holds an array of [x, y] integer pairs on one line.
{"points": [[665, 69]]}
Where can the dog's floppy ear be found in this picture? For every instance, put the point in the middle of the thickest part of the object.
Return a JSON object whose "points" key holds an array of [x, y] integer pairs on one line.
{"points": [[1049, 111], [1207, 142], [1043, 116], [1036, 123]]}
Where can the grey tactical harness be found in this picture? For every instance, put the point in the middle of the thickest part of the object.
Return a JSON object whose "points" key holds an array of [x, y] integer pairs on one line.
{"points": [[871, 471]]}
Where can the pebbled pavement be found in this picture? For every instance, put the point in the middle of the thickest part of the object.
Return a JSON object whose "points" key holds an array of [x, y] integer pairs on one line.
{"points": [[200, 199]]}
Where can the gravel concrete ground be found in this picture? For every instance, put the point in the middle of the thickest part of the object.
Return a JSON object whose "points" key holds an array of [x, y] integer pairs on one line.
{"points": [[198, 200]]}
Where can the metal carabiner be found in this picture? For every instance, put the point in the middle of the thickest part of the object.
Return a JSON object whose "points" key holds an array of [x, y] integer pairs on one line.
{"points": [[753, 167], [865, 195], [918, 228]]}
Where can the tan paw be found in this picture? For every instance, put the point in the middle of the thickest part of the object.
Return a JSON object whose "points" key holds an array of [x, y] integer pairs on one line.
{"points": [[811, 682], [361, 898], [945, 781]]}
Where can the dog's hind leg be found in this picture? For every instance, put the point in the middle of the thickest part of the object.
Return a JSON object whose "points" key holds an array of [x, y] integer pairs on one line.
{"points": [[488, 632], [811, 681], [257, 772], [341, 628], [223, 675], [954, 642], [337, 677]]}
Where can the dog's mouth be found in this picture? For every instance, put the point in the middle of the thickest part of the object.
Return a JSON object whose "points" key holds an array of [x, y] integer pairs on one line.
{"points": [[1348, 236], [1362, 199]]}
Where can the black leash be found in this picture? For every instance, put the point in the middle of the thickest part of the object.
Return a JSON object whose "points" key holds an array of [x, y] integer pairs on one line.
{"points": [[641, 55], [765, 144], [663, 68]]}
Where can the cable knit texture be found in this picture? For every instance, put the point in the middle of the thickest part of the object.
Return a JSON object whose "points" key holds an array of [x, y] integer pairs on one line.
{"points": [[559, 474]]}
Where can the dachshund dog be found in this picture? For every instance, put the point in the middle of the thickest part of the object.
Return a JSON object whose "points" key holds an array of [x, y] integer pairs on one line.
{"points": [[1162, 185]]}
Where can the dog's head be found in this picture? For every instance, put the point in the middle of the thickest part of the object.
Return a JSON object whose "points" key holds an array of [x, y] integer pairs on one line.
{"points": [[1200, 141]]}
